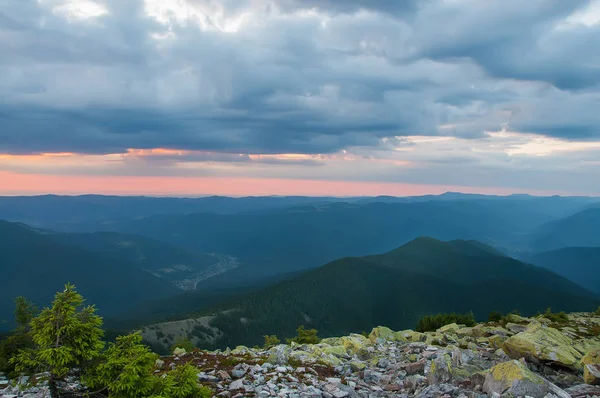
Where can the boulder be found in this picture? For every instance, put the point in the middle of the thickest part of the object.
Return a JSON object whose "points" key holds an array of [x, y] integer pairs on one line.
{"points": [[515, 328], [357, 366], [411, 336], [466, 332], [591, 374], [279, 354], [440, 370], [449, 329], [591, 367], [179, 351], [354, 343], [338, 351], [242, 350], [436, 338], [514, 318], [496, 341], [513, 378], [302, 356], [382, 332], [331, 341], [543, 344]]}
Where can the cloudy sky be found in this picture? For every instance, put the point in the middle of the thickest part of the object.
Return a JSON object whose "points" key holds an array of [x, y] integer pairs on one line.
{"points": [[331, 97]]}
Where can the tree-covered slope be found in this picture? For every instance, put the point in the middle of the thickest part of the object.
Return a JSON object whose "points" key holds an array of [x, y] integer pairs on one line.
{"points": [[298, 238], [578, 264], [36, 266], [423, 277], [164, 260], [579, 230]]}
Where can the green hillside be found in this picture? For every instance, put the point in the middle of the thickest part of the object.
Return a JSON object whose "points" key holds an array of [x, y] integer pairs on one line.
{"points": [[579, 264], [395, 289], [292, 239], [164, 260], [579, 230], [36, 266]]}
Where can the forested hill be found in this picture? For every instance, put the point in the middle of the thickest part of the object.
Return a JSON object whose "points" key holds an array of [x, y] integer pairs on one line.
{"points": [[36, 266], [422, 277]]}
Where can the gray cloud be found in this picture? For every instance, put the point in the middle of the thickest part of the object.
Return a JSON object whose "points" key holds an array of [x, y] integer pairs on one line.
{"points": [[347, 75]]}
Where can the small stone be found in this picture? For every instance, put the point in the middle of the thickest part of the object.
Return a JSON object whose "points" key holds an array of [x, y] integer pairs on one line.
{"points": [[237, 384], [223, 375]]}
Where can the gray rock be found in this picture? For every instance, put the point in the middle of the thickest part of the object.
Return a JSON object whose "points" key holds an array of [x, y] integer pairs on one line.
{"points": [[237, 384]]}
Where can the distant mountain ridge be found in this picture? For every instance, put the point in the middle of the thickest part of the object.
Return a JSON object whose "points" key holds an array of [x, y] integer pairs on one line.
{"points": [[291, 239]]}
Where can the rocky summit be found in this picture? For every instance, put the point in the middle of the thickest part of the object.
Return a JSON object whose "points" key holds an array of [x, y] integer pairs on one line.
{"points": [[517, 357]]}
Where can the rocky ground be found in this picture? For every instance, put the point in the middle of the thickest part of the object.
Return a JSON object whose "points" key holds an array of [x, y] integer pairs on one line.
{"points": [[530, 357]]}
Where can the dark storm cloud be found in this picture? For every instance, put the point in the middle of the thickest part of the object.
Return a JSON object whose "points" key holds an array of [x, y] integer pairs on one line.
{"points": [[289, 82]]}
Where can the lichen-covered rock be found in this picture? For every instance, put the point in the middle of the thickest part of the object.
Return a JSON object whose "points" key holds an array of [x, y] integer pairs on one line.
{"points": [[179, 351], [586, 345], [241, 350], [338, 351], [357, 366], [514, 318], [496, 341], [591, 367], [440, 370], [280, 354], [436, 338], [515, 379], [382, 332], [302, 356], [331, 341], [591, 374], [541, 343], [450, 328], [412, 336], [354, 343], [330, 360], [465, 332], [515, 328]]}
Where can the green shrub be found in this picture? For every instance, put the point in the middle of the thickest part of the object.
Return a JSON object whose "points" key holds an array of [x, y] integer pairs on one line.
{"points": [[20, 338], [182, 383], [124, 369], [431, 323], [559, 317], [598, 311], [66, 335], [305, 336], [65, 339], [495, 316], [270, 341], [186, 344]]}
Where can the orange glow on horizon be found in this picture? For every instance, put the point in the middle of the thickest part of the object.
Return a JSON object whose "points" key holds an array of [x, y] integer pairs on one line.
{"points": [[37, 184]]}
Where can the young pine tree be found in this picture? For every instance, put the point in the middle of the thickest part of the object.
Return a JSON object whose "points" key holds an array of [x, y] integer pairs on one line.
{"points": [[66, 335], [305, 336], [19, 338], [124, 369], [271, 341]]}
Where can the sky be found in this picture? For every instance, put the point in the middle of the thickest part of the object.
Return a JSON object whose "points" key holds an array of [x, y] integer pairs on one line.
{"points": [[308, 97]]}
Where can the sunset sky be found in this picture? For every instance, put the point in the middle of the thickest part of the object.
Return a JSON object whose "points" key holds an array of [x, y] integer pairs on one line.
{"points": [[309, 97]]}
